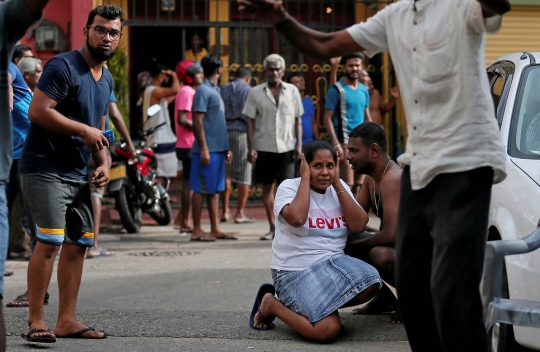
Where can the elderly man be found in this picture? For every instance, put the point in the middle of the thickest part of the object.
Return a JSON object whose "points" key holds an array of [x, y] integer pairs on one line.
{"points": [[31, 69], [453, 155], [274, 109]]}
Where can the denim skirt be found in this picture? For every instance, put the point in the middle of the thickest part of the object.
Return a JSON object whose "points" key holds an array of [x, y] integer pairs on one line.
{"points": [[324, 287]]}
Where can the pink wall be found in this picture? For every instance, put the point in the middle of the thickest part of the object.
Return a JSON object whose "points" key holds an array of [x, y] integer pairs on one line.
{"points": [[71, 16]]}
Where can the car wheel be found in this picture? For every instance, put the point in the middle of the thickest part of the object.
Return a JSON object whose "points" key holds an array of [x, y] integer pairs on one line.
{"points": [[501, 338]]}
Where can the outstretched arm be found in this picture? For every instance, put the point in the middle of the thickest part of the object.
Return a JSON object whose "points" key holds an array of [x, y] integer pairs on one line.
{"points": [[317, 44]]}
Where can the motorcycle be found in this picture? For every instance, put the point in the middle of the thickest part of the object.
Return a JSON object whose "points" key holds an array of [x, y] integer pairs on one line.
{"points": [[134, 184]]}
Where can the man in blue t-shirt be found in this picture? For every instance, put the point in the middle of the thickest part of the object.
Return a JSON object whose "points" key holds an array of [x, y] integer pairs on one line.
{"points": [[310, 129], [210, 150], [67, 117], [347, 106]]}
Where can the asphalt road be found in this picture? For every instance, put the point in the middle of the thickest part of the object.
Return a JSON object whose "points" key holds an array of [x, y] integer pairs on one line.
{"points": [[161, 292]]}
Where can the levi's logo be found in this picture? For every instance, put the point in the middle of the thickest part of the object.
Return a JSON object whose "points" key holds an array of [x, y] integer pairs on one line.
{"points": [[325, 223]]}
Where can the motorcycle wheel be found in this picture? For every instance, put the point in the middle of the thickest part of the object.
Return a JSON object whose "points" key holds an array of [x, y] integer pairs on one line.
{"points": [[164, 216], [130, 212]]}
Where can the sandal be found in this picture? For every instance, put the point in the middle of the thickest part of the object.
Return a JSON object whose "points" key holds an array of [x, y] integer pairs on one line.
{"points": [[40, 339]]}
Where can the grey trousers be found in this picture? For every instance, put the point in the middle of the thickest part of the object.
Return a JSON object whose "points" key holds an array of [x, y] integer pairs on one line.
{"points": [[440, 243]]}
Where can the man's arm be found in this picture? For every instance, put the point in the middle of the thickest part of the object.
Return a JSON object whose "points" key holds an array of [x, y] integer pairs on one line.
{"points": [[118, 122], [386, 107], [363, 197], [198, 130], [367, 115], [183, 119], [10, 88], [315, 126], [390, 198], [334, 65], [168, 93], [298, 129], [494, 7], [329, 126], [42, 112], [252, 154], [313, 43]]}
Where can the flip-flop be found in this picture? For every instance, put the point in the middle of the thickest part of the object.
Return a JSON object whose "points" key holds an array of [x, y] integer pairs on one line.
{"points": [[244, 220], [268, 236], [20, 256], [264, 289], [103, 253], [203, 239], [226, 236], [39, 339], [79, 334], [22, 302]]}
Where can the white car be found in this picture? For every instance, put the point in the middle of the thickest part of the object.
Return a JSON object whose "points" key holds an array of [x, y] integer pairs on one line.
{"points": [[515, 202]]}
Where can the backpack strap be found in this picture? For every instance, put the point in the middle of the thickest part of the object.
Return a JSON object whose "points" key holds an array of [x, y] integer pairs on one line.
{"points": [[343, 122]]}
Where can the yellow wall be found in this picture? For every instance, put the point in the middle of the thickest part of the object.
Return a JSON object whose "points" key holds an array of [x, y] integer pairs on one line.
{"points": [[520, 31], [219, 11]]}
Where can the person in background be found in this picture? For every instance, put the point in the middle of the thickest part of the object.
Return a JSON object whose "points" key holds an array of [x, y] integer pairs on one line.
{"points": [[274, 131], [310, 127], [163, 137], [191, 76], [31, 70], [377, 107], [21, 51], [210, 151], [347, 106], [234, 96], [197, 51]]}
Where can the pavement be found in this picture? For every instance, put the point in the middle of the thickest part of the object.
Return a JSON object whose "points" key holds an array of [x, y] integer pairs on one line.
{"points": [[162, 292]]}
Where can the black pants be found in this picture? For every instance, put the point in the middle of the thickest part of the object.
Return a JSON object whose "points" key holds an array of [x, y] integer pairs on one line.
{"points": [[440, 243]]}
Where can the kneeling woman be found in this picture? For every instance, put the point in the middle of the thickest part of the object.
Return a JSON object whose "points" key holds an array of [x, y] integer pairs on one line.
{"points": [[313, 277]]}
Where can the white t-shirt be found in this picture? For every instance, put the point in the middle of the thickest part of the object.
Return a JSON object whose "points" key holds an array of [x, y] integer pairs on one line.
{"points": [[322, 236], [437, 48]]}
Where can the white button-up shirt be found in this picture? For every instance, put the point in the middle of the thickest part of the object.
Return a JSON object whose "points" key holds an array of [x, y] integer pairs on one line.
{"points": [[274, 123], [437, 49]]}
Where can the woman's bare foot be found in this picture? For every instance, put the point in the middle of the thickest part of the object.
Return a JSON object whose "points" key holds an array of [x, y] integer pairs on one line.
{"points": [[266, 309], [73, 327]]}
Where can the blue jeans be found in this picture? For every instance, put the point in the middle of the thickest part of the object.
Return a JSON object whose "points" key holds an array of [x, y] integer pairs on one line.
{"points": [[4, 234]]}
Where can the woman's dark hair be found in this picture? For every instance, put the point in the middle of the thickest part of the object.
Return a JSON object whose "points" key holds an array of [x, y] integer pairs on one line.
{"points": [[210, 65], [313, 147], [110, 12]]}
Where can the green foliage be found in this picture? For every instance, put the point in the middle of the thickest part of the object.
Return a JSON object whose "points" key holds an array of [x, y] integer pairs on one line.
{"points": [[119, 70]]}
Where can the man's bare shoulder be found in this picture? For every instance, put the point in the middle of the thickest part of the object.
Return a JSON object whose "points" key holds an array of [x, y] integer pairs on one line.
{"points": [[392, 178]]}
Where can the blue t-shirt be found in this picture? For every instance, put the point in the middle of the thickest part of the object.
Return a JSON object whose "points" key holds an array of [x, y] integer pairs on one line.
{"points": [[20, 89], [357, 102], [307, 129], [19, 116], [14, 21], [67, 79], [208, 100]]}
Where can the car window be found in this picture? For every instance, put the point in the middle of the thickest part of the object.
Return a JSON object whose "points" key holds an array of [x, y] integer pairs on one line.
{"points": [[525, 132], [500, 77]]}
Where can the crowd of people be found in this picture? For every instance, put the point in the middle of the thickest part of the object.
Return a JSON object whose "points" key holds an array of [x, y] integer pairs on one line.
{"points": [[324, 257]]}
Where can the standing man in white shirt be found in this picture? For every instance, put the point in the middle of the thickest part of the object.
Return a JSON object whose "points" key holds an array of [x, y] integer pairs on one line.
{"points": [[453, 154], [274, 128]]}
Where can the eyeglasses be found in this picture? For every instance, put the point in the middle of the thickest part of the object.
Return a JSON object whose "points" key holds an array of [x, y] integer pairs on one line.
{"points": [[101, 32]]}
